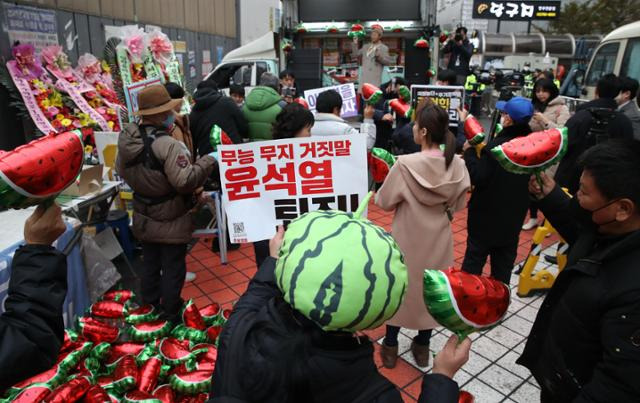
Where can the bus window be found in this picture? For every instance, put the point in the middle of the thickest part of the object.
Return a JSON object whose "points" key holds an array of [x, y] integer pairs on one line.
{"points": [[603, 62], [631, 62]]}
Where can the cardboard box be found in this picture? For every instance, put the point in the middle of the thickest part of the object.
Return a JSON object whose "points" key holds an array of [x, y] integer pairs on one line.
{"points": [[89, 181]]}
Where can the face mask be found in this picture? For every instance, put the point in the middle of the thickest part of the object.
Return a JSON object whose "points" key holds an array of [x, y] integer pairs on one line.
{"points": [[584, 217], [169, 120]]}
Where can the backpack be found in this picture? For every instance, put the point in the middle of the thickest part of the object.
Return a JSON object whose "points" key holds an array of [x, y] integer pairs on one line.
{"points": [[598, 131], [149, 160]]}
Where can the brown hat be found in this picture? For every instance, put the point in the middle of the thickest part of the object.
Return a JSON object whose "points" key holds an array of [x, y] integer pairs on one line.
{"points": [[155, 99]]}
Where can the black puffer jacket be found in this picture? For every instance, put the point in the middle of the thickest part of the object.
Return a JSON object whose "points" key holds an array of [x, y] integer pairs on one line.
{"points": [[585, 343], [31, 328], [213, 107], [500, 199], [328, 367], [568, 173]]}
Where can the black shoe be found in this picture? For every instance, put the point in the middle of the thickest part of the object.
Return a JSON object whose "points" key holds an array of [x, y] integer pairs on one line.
{"points": [[551, 259]]}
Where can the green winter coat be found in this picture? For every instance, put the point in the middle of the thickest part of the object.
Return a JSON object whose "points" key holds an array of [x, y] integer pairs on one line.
{"points": [[261, 107]]}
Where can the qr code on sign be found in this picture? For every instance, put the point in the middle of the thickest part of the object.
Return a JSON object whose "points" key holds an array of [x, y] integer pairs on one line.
{"points": [[238, 228]]}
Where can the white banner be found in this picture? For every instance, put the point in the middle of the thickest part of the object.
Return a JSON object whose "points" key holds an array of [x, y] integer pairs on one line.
{"points": [[270, 183], [346, 91]]}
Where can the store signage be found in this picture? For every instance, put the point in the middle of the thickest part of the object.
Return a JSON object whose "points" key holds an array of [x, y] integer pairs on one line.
{"points": [[517, 10]]}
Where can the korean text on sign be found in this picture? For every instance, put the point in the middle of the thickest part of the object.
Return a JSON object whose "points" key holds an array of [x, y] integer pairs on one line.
{"points": [[269, 183], [449, 98]]}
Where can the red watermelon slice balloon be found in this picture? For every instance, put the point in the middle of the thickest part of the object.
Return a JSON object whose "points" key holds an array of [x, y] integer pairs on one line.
{"points": [[463, 302], [40, 169], [400, 107], [371, 93], [533, 153], [380, 162], [421, 43]]}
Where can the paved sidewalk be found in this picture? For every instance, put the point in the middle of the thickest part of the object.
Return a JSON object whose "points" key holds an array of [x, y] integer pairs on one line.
{"points": [[491, 374]]}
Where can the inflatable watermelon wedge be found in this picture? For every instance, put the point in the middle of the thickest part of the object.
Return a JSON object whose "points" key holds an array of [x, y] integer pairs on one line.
{"points": [[371, 94], [40, 170], [341, 271], [473, 131], [380, 162], [463, 302], [404, 93], [400, 107], [218, 136], [533, 153]]}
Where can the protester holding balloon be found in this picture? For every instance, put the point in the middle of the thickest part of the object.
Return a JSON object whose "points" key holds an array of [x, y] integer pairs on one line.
{"points": [[425, 189], [499, 200], [31, 328], [585, 343], [550, 111], [288, 341]]}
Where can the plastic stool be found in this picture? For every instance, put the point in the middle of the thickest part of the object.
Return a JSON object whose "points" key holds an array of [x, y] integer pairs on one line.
{"points": [[119, 221]]}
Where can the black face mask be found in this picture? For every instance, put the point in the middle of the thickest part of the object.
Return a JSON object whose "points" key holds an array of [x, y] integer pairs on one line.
{"points": [[584, 217]]}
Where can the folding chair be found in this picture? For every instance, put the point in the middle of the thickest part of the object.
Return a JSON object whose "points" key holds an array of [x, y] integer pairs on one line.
{"points": [[216, 226]]}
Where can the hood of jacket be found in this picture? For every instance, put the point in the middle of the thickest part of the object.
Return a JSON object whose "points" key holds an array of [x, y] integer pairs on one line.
{"points": [[328, 117], [430, 182], [261, 98], [205, 97]]}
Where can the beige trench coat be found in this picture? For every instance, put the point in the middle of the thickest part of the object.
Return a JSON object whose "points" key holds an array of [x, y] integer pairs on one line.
{"points": [[421, 190]]}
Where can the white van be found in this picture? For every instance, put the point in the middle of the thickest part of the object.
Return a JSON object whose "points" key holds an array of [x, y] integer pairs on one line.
{"points": [[245, 65], [618, 53]]}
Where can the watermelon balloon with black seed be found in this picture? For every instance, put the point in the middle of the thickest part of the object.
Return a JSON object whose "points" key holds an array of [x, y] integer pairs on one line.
{"points": [[40, 170], [341, 271], [533, 153], [148, 331], [463, 302], [191, 382], [380, 162]]}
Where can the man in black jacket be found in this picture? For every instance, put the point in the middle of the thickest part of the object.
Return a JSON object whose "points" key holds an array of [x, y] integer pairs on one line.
{"points": [[214, 108], [460, 50], [585, 343], [607, 89], [499, 200], [31, 328], [331, 366]]}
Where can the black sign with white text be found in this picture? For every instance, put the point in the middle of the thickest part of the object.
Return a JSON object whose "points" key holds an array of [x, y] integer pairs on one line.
{"points": [[518, 10]]}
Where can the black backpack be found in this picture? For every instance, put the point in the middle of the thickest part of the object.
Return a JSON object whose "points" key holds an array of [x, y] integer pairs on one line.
{"points": [[601, 118]]}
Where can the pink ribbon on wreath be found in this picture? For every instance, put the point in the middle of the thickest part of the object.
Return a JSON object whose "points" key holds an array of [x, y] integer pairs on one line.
{"points": [[161, 48], [27, 64], [135, 46]]}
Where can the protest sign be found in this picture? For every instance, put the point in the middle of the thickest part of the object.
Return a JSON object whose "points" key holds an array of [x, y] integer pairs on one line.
{"points": [[270, 183], [346, 91], [450, 98]]}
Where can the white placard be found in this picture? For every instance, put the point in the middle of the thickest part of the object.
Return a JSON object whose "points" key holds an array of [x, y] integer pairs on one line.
{"points": [[270, 183], [346, 91]]}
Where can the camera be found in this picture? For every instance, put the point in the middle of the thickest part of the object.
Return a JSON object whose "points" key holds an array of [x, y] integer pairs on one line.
{"points": [[599, 129], [457, 38], [288, 92]]}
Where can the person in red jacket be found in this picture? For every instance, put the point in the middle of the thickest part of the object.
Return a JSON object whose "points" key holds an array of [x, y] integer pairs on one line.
{"points": [[31, 328]]}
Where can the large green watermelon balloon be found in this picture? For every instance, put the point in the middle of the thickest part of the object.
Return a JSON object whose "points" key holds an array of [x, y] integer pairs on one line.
{"points": [[380, 162], [40, 170], [463, 302], [533, 153], [341, 271]]}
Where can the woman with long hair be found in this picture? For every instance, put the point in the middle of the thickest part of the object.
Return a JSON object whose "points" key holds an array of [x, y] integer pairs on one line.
{"points": [[550, 112], [424, 189]]}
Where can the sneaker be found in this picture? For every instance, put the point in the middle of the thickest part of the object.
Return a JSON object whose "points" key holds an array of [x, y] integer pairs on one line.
{"points": [[190, 276], [531, 224]]}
